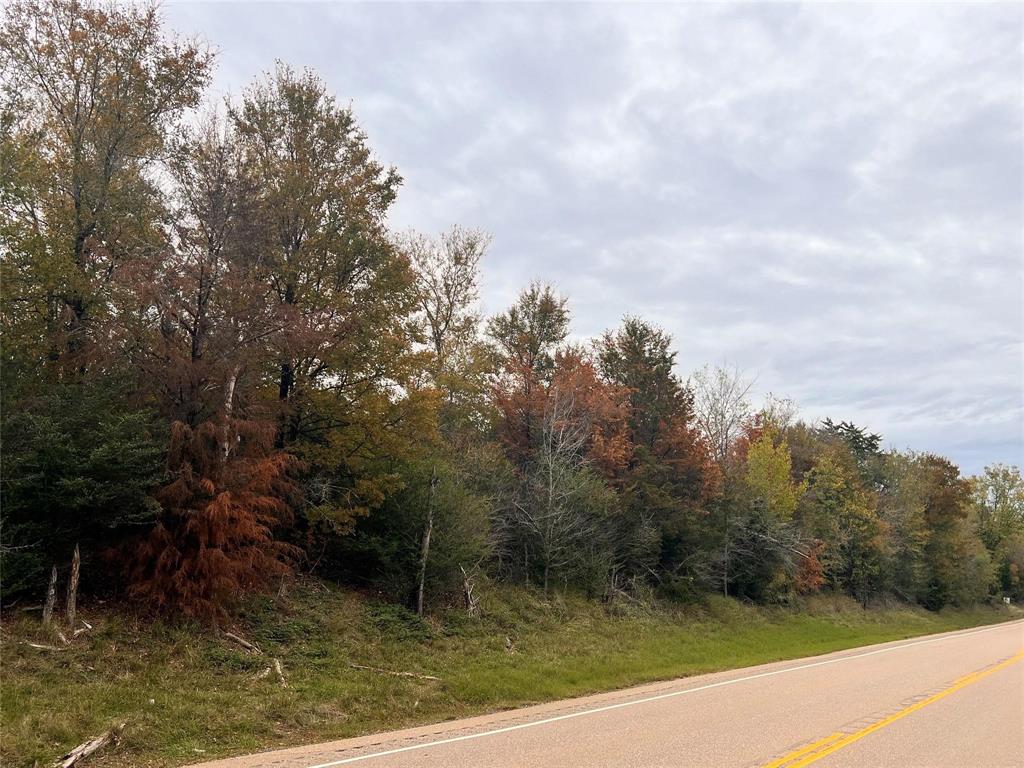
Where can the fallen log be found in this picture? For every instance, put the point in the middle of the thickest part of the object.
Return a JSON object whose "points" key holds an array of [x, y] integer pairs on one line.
{"points": [[251, 647], [40, 647], [393, 672], [83, 751]]}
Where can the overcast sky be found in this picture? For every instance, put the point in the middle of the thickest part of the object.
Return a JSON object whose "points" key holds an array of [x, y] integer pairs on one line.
{"points": [[830, 197]]}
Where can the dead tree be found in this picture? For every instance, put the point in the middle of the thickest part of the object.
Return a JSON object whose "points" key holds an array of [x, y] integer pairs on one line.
{"points": [[72, 607], [425, 545], [51, 597], [471, 600], [553, 509]]}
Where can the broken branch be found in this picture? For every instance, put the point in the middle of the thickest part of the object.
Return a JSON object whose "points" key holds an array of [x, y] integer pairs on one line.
{"points": [[394, 673], [84, 750], [251, 647]]}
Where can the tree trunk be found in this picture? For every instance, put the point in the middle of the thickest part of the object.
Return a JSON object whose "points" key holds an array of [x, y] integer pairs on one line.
{"points": [[725, 559], [229, 404], [51, 597], [425, 545], [72, 608]]}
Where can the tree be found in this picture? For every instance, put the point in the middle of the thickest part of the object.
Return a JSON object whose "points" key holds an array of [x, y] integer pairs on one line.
{"points": [[721, 406], [667, 476], [999, 501], [447, 274], [950, 544], [215, 540], [998, 496], [843, 515], [562, 502], [863, 446], [526, 338], [901, 507], [96, 90], [76, 471], [90, 96], [345, 373], [768, 476], [764, 546]]}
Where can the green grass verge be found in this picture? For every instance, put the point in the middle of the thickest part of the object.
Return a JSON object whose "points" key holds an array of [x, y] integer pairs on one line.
{"points": [[188, 696]]}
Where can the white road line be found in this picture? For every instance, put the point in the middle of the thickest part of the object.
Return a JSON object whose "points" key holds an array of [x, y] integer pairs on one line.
{"points": [[659, 697]]}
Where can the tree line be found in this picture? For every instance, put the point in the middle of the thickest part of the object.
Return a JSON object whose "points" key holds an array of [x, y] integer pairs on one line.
{"points": [[220, 366]]}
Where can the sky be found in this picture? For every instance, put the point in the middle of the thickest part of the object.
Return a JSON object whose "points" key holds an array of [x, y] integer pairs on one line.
{"points": [[830, 197]]}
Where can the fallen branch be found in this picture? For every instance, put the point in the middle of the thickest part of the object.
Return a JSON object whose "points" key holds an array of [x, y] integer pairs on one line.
{"points": [[472, 601], [43, 647], [394, 673], [251, 647], [280, 673], [84, 750]]}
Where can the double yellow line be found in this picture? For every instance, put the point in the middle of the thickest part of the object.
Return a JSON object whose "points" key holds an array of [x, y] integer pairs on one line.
{"points": [[813, 752]]}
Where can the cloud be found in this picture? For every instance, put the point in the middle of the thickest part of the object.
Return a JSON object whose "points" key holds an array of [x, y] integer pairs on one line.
{"points": [[829, 195]]}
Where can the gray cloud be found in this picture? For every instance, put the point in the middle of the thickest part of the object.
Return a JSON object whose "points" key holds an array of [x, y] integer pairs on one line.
{"points": [[829, 195]]}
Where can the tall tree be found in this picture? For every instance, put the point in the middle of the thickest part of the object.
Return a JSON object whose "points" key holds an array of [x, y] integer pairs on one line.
{"points": [[721, 406], [843, 515], [526, 338], [96, 90], [345, 376], [446, 286], [950, 547], [667, 475], [901, 507], [999, 512]]}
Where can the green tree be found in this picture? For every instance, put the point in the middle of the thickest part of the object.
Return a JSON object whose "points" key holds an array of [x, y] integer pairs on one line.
{"points": [[79, 466], [952, 544], [843, 515], [667, 475], [998, 495], [344, 371], [901, 506]]}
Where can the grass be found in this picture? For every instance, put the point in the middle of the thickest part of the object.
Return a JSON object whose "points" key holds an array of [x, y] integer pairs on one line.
{"points": [[188, 696]]}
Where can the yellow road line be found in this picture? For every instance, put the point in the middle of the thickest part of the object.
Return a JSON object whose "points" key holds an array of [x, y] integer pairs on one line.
{"points": [[804, 750], [830, 745]]}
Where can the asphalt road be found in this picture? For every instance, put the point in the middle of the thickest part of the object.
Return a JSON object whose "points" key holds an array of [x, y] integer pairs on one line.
{"points": [[955, 700]]}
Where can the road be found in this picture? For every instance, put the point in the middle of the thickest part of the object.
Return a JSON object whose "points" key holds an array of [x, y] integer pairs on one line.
{"points": [[955, 700]]}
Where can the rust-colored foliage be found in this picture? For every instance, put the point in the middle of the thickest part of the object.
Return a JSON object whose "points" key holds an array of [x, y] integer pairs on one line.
{"points": [[215, 538], [810, 573], [601, 409], [603, 405]]}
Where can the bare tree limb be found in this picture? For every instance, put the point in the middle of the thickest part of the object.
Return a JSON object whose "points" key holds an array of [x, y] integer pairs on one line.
{"points": [[394, 673], [90, 747]]}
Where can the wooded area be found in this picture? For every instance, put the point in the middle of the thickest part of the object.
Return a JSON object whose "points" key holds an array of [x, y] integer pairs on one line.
{"points": [[220, 367]]}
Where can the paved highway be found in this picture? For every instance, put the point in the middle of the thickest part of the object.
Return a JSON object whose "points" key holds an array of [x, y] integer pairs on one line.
{"points": [[955, 700]]}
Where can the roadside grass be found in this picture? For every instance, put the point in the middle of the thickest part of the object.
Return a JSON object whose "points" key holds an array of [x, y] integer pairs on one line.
{"points": [[188, 695]]}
